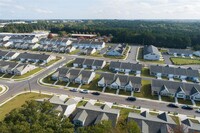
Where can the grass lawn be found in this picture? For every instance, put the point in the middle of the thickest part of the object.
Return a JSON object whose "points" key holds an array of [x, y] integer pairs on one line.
{"points": [[97, 54], [61, 83], [48, 80], [176, 119], [75, 52], [18, 102], [73, 85], [140, 57], [168, 99], [146, 72], [125, 111], [109, 90], [197, 103], [184, 61], [1, 74], [28, 73], [113, 57], [70, 64], [81, 103], [146, 91], [93, 85], [182, 101], [127, 93], [53, 61], [1, 89], [7, 76]]}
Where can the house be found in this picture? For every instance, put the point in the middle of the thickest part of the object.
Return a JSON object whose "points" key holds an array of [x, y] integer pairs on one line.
{"points": [[4, 38], [73, 75], [89, 51], [125, 67], [90, 114], [30, 39], [10, 56], [88, 44], [174, 72], [23, 68], [151, 53], [197, 53], [35, 57], [176, 89], [5, 44], [3, 54], [161, 123], [89, 63], [64, 108], [33, 46], [17, 39], [123, 82], [180, 52], [190, 126], [7, 67], [116, 50], [70, 49]]}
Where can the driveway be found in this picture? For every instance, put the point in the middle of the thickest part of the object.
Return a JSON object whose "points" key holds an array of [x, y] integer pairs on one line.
{"points": [[167, 59], [132, 54]]}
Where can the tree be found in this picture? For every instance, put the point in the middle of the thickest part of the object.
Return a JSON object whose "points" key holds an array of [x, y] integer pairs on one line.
{"points": [[50, 36], [35, 117]]}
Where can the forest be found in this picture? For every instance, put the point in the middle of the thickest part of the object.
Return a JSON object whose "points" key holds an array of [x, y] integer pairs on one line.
{"points": [[161, 33]]}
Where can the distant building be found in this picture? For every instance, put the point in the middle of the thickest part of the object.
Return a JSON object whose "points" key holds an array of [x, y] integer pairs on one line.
{"points": [[180, 52], [151, 53]]}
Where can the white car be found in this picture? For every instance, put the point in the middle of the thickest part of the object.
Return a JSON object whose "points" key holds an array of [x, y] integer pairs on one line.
{"points": [[198, 110], [74, 90], [84, 91]]}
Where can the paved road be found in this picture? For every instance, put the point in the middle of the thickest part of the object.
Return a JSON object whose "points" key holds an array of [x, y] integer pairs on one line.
{"points": [[167, 59], [132, 54], [16, 87]]}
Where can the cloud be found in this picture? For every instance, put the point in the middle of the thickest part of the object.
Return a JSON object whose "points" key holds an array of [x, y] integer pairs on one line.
{"points": [[43, 11], [19, 7]]}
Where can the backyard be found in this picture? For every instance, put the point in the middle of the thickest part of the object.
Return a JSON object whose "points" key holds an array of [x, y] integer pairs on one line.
{"points": [[184, 61]]}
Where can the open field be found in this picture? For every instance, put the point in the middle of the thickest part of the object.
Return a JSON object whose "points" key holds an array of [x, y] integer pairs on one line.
{"points": [[18, 102], [184, 61]]}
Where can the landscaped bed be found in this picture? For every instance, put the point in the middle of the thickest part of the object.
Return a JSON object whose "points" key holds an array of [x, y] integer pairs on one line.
{"points": [[48, 80], [18, 102], [184, 61]]}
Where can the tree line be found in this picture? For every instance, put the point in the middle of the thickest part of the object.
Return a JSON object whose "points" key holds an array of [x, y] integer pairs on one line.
{"points": [[171, 34]]}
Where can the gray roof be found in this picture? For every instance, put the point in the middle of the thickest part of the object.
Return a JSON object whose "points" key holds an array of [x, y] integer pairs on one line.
{"points": [[173, 87], [150, 49], [10, 54], [79, 60], [8, 65], [121, 80], [193, 127], [3, 53], [89, 62], [189, 72], [152, 123], [33, 56], [181, 51], [118, 47], [92, 114], [126, 65]]}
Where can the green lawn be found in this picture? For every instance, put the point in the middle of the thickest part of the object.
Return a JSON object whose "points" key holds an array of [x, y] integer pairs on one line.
{"points": [[97, 54], [61, 83], [81, 103], [167, 99], [1, 89], [48, 80], [113, 57], [197, 103], [1, 74], [28, 73], [53, 61], [105, 69], [93, 85], [146, 91], [184, 61], [18, 102], [70, 64], [7, 76], [140, 57], [73, 85], [110, 90], [182, 101], [75, 52], [176, 119], [146, 72], [127, 93], [125, 111]]}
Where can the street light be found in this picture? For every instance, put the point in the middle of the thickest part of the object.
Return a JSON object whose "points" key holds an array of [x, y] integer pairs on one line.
{"points": [[29, 85]]}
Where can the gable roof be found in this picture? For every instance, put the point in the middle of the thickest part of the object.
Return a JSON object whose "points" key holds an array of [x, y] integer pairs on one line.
{"points": [[150, 49]]}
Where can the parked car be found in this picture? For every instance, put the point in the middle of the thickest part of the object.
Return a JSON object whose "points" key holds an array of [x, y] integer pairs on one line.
{"points": [[74, 90], [96, 93], [187, 107], [198, 110], [172, 105], [131, 98], [84, 91]]}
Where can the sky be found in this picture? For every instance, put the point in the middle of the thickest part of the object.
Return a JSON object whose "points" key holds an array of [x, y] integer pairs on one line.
{"points": [[99, 9]]}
